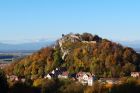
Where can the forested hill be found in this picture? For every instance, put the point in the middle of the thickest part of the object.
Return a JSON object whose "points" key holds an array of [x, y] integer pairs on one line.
{"points": [[80, 52]]}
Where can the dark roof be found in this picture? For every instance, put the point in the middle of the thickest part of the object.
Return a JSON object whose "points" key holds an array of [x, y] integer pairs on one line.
{"points": [[63, 69], [72, 75], [52, 75], [57, 72]]}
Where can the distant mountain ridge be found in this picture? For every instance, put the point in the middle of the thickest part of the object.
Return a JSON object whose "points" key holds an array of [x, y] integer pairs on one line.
{"points": [[25, 46], [134, 44]]}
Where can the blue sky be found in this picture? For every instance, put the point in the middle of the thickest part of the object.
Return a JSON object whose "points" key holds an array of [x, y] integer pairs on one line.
{"points": [[31, 20]]}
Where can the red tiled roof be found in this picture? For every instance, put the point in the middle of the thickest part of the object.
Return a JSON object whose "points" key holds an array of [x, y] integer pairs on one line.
{"points": [[65, 73]]}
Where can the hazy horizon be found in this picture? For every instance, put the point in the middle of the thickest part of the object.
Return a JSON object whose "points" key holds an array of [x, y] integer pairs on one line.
{"points": [[31, 20]]}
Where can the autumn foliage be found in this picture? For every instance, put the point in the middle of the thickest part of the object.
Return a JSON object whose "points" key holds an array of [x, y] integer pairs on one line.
{"points": [[103, 58]]}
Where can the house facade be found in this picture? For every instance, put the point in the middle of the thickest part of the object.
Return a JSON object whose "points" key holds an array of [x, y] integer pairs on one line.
{"points": [[135, 74], [64, 75], [86, 78], [57, 73]]}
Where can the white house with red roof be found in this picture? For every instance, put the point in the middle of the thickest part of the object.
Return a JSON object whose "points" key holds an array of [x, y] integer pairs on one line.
{"points": [[135, 74], [85, 78], [64, 75]]}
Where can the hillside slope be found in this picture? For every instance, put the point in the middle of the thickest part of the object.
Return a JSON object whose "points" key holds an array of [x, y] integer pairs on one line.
{"points": [[85, 52]]}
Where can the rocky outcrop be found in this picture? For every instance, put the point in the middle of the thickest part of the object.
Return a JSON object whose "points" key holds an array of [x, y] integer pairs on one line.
{"points": [[74, 38]]}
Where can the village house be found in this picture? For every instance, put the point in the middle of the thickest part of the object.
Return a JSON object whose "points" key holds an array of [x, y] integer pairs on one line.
{"points": [[85, 78], [61, 72], [64, 75], [49, 76], [3, 65], [14, 78], [135, 74], [110, 80], [22, 79]]}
